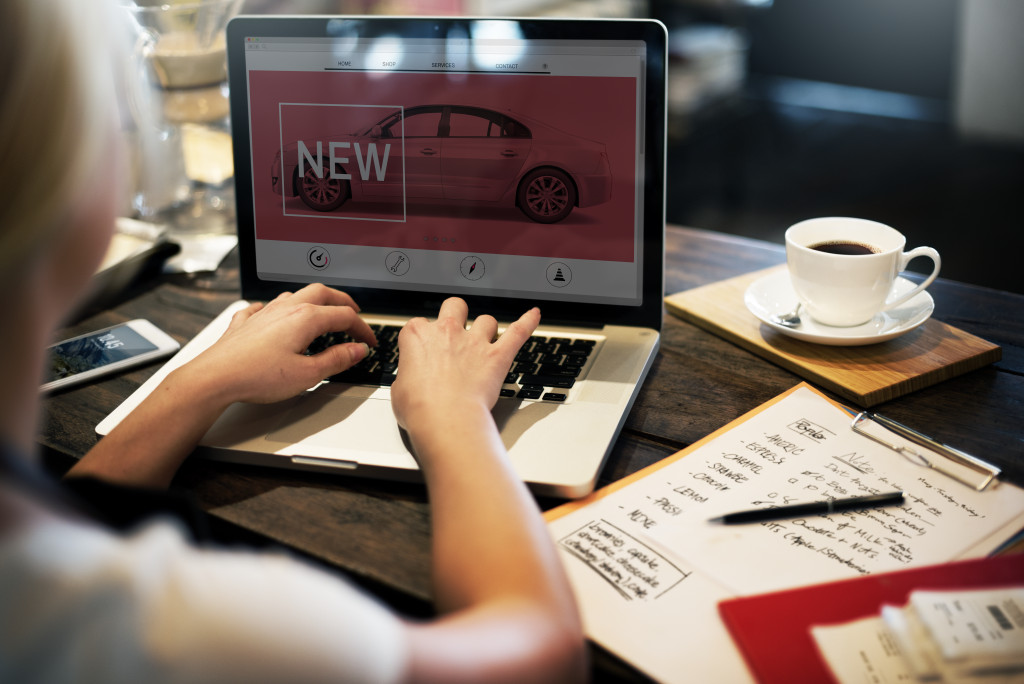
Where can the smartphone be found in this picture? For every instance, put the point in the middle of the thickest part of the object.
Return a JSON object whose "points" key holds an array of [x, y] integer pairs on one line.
{"points": [[93, 355]]}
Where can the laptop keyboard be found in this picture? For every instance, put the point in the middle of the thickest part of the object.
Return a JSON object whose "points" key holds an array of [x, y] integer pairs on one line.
{"points": [[545, 368]]}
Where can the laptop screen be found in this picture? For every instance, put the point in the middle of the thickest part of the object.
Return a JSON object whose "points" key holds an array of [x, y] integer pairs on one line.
{"points": [[497, 160]]}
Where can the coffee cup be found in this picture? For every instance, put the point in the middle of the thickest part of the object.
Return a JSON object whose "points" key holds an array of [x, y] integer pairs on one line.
{"points": [[843, 269]]}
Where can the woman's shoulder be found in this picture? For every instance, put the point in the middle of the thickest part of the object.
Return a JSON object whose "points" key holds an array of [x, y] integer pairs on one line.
{"points": [[46, 544]]}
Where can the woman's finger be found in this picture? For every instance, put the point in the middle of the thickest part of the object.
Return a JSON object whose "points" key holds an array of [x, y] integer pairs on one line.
{"points": [[486, 326], [519, 331], [454, 308], [338, 358], [240, 317], [318, 293]]}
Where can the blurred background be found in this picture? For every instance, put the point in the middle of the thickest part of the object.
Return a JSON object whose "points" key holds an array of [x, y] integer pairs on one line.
{"points": [[908, 112]]}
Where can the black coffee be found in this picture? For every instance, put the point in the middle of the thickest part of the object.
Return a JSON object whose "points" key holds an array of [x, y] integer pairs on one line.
{"points": [[845, 247]]}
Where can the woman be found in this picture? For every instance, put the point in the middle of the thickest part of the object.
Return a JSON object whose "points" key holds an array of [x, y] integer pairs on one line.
{"points": [[79, 602]]}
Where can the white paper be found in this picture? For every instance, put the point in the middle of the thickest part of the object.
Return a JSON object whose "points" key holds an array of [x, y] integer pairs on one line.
{"points": [[986, 625], [200, 253], [867, 651], [863, 652], [663, 618], [911, 637]]}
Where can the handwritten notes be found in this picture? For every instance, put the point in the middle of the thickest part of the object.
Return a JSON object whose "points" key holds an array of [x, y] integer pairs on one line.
{"points": [[649, 569], [631, 567]]}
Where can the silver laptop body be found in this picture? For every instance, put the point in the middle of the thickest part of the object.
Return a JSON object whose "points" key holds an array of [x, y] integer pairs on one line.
{"points": [[404, 160]]}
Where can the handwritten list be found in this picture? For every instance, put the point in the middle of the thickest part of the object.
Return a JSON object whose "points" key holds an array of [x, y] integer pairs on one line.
{"points": [[649, 569]]}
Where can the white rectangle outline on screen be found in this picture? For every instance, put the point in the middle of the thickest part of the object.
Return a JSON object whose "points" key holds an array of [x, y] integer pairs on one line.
{"points": [[280, 134]]}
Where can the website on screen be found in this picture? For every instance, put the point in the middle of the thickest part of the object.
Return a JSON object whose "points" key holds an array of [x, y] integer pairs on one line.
{"points": [[498, 167]]}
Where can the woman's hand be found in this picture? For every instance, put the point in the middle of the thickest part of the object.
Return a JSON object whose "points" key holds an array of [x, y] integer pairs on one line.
{"points": [[261, 359], [443, 366], [507, 610]]}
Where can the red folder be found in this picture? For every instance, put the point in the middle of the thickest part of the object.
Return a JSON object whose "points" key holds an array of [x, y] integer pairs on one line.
{"points": [[773, 630]]}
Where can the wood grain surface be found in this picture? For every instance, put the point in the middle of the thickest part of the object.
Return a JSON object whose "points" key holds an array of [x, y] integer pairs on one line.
{"points": [[377, 533], [867, 375]]}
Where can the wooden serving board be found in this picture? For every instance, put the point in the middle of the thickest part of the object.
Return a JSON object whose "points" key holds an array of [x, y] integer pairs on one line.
{"points": [[868, 375]]}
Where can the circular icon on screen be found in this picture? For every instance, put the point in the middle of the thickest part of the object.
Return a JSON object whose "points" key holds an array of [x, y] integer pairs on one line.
{"points": [[472, 268], [397, 263], [319, 258], [559, 274]]}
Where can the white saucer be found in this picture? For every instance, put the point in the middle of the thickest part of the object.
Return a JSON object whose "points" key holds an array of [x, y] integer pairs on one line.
{"points": [[773, 295]]}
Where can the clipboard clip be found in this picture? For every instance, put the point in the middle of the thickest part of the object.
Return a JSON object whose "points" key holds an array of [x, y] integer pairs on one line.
{"points": [[927, 452]]}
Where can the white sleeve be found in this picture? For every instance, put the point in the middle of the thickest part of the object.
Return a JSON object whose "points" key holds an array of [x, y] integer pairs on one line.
{"points": [[80, 604]]}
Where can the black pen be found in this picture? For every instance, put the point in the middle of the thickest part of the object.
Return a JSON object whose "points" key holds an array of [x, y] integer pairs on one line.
{"points": [[816, 508]]}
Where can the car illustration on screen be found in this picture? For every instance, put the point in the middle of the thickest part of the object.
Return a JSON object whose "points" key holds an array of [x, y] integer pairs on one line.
{"points": [[451, 152]]}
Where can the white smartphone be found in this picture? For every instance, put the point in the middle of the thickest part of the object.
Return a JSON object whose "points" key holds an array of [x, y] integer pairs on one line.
{"points": [[105, 351]]}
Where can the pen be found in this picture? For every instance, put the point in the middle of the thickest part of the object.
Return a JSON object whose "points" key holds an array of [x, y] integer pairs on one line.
{"points": [[817, 507]]}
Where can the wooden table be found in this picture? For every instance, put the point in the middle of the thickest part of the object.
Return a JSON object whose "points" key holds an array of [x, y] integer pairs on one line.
{"points": [[378, 532]]}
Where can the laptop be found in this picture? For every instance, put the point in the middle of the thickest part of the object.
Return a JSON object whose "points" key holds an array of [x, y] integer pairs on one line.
{"points": [[510, 162]]}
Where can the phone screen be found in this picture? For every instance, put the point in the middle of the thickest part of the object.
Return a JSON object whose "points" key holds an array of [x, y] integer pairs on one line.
{"points": [[96, 350]]}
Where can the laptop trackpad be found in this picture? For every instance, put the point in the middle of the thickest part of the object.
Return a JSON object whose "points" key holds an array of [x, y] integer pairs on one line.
{"points": [[327, 422]]}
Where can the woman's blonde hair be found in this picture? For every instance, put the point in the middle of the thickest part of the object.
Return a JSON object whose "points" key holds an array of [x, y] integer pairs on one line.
{"points": [[57, 100]]}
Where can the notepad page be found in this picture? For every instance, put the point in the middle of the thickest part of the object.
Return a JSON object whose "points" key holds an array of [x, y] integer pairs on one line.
{"points": [[649, 569]]}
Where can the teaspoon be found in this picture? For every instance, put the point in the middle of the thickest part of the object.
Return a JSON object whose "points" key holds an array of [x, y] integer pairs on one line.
{"points": [[790, 319]]}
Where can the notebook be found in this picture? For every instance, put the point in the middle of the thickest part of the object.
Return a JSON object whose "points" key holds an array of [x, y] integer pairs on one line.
{"points": [[404, 160]]}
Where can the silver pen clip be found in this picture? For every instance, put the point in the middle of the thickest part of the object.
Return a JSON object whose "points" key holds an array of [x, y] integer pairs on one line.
{"points": [[928, 452]]}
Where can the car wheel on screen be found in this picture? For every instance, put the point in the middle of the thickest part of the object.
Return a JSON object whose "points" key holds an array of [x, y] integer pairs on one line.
{"points": [[321, 193], [546, 195]]}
